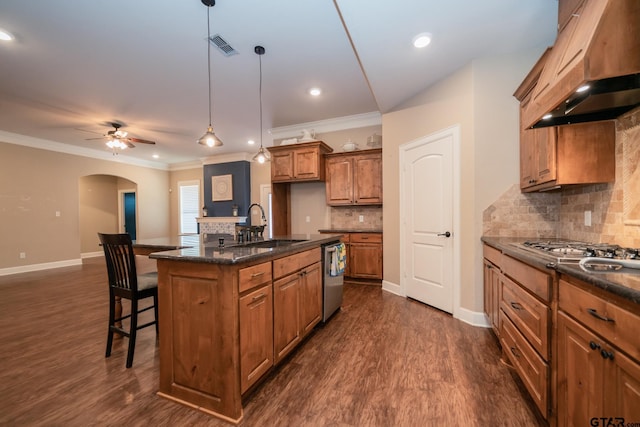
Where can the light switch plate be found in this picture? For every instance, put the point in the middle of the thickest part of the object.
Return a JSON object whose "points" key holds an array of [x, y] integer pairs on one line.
{"points": [[587, 218], [361, 218]]}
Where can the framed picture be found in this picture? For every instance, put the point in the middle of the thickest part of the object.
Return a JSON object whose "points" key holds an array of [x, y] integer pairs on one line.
{"points": [[222, 188]]}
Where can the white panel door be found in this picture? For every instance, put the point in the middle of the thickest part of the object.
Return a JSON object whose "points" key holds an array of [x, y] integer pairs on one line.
{"points": [[427, 180]]}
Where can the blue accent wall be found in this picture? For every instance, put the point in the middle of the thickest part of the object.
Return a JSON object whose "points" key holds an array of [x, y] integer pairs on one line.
{"points": [[241, 182]]}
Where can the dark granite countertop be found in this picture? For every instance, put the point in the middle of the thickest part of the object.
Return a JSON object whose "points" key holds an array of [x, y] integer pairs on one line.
{"points": [[624, 283], [206, 249], [350, 230]]}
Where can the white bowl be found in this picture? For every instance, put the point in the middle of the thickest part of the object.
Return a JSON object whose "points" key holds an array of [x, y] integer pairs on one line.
{"points": [[350, 146]]}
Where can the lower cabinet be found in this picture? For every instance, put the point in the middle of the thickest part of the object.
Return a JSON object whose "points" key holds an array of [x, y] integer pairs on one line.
{"points": [[256, 335], [596, 379], [491, 272], [297, 300], [365, 255]]}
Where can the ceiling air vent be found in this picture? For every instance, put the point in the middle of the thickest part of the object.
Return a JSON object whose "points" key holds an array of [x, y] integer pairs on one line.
{"points": [[222, 45]]}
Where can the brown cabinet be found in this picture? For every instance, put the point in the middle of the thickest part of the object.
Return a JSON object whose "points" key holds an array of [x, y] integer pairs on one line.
{"points": [[594, 378], [256, 335], [354, 179], [298, 162], [297, 299], [365, 255], [583, 153], [492, 286], [518, 299]]}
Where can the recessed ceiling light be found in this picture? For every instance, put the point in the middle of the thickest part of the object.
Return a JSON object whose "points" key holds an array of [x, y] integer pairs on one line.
{"points": [[547, 116], [582, 88], [155, 156], [422, 40], [5, 35], [314, 91], [251, 142]]}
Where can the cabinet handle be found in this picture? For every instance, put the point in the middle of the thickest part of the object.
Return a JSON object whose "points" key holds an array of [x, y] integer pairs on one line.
{"points": [[254, 275], [594, 313], [606, 354], [257, 297], [594, 345], [515, 353], [516, 305]]}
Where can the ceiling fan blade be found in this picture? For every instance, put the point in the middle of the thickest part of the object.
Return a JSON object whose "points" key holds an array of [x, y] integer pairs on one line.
{"points": [[140, 141], [129, 144]]}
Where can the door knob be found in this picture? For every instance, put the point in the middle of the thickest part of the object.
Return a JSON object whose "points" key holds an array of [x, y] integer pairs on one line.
{"points": [[445, 234]]}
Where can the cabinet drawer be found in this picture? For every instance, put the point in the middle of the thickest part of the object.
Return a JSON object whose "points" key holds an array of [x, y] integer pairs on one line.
{"points": [[617, 325], [366, 237], [533, 371], [529, 314], [253, 276], [536, 281], [292, 263], [492, 254]]}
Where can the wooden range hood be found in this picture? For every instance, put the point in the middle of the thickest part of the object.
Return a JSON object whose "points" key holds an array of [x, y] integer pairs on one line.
{"points": [[598, 47]]}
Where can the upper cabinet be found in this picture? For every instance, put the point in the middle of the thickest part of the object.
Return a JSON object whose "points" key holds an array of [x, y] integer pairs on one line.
{"points": [[298, 162], [354, 178], [582, 153]]}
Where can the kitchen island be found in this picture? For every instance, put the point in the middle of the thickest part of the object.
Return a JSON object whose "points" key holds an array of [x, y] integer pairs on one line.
{"points": [[229, 314]]}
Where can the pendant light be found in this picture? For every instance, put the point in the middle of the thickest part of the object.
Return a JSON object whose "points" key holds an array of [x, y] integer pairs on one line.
{"points": [[209, 138], [262, 155]]}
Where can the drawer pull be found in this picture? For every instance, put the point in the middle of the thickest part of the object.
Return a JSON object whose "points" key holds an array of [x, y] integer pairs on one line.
{"points": [[515, 353], [594, 313], [606, 354], [516, 305], [594, 345], [254, 275], [257, 297]]}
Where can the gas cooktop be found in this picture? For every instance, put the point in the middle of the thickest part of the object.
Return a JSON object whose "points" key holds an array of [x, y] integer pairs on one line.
{"points": [[569, 251]]}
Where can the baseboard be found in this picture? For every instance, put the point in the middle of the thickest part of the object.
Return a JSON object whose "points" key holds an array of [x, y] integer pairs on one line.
{"points": [[38, 267], [392, 288], [91, 254], [473, 318]]}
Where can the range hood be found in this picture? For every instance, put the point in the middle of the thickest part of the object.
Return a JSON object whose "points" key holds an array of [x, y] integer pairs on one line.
{"points": [[592, 72]]}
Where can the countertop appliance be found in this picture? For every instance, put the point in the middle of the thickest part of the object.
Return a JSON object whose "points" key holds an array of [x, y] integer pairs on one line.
{"points": [[332, 281], [590, 256]]}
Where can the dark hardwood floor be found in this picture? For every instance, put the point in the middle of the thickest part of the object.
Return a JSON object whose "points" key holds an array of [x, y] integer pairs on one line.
{"points": [[382, 360]]}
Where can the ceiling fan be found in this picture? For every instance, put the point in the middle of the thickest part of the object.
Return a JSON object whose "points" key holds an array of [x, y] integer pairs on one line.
{"points": [[117, 138]]}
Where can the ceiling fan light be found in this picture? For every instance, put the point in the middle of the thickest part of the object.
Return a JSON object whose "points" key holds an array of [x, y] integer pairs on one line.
{"points": [[210, 139]]}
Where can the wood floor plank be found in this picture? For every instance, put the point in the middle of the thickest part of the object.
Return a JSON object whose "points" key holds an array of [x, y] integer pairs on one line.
{"points": [[382, 360]]}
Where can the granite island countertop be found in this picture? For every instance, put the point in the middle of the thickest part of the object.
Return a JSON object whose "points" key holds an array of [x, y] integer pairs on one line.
{"points": [[207, 249], [624, 283], [350, 230]]}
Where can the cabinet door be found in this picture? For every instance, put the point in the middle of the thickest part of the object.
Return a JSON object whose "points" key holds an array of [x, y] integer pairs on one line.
{"points": [[492, 294], [256, 335], [306, 163], [282, 166], [310, 297], [580, 374], [339, 187], [527, 158], [367, 179], [286, 315], [366, 260], [622, 395], [546, 146]]}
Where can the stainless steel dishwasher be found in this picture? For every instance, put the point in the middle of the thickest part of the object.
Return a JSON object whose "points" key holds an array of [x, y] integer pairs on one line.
{"points": [[332, 280]]}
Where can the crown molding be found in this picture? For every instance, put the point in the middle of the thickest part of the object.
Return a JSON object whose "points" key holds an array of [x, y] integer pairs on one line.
{"points": [[330, 125], [45, 144]]}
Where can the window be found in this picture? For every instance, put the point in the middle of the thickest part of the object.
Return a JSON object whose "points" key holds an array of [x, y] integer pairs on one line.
{"points": [[189, 206]]}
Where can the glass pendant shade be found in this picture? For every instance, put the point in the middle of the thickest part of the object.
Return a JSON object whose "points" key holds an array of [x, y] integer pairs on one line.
{"points": [[262, 156], [210, 139]]}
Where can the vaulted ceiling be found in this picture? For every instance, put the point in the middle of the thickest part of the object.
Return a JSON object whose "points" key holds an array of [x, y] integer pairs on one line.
{"points": [[76, 65]]}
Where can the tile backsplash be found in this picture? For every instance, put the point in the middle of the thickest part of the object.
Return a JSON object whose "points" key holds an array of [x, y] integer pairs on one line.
{"points": [[614, 207], [347, 217]]}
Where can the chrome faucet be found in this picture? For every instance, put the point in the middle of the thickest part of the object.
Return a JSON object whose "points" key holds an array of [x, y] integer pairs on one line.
{"points": [[264, 218]]}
